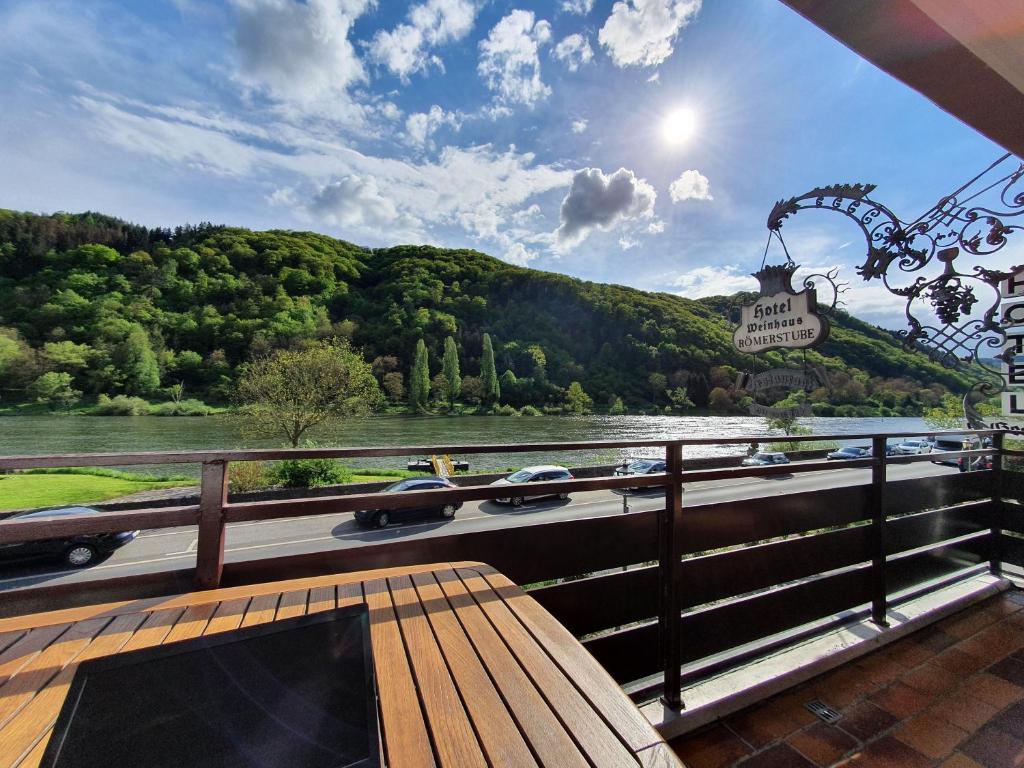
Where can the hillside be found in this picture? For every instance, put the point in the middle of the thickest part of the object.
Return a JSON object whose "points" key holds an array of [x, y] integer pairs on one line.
{"points": [[124, 309]]}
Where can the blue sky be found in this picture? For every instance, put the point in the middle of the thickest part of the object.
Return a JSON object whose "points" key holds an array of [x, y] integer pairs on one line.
{"points": [[531, 131]]}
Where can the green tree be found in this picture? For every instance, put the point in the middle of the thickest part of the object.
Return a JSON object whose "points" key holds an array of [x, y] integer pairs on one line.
{"points": [[137, 363], [291, 391], [576, 400], [719, 399], [679, 398], [790, 424], [617, 408], [657, 382], [54, 389], [489, 374], [450, 370], [419, 378], [948, 415], [394, 385]]}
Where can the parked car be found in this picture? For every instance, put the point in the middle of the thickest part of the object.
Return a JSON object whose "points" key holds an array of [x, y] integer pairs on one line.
{"points": [[913, 447], [954, 443], [850, 452], [762, 459], [641, 467], [974, 463], [76, 551], [381, 518], [543, 473]]}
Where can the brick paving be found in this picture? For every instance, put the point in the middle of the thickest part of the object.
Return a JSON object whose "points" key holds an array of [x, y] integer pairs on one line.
{"points": [[948, 696]]}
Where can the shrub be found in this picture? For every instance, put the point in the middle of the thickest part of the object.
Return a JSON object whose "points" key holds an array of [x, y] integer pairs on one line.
{"points": [[505, 410], [247, 476], [183, 408], [529, 410], [554, 410], [309, 473], [121, 405]]}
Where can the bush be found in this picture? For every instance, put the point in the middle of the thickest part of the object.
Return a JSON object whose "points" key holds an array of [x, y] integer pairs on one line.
{"points": [[505, 410], [554, 410], [183, 408], [247, 476], [309, 473], [121, 405], [529, 410]]}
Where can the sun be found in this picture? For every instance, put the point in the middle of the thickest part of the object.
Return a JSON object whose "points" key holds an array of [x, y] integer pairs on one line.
{"points": [[679, 125]]}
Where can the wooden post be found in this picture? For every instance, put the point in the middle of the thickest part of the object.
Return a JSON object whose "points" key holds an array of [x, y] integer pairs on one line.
{"points": [[878, 542], [670, 523], [213, 495], [995, 563]]}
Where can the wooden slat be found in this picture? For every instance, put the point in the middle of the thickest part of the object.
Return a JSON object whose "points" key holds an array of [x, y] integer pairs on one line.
{"points": [[7, 639], [584, 606], [292, 604], [32, 724], [908, 570], [924, 528], [27, 648], [543, 731], [192, 622], [576, 664], [20, 688], [322, 599], [455, 743], [261, 610], [658, 756], [350, 594], [35, 757], [402, 720], [155, 629], [109, 522], [228, 616], [500, 738], [599, 743]]}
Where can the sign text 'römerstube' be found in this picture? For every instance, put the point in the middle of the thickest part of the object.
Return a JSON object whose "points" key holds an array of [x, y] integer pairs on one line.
{"points": [[780, 318]]}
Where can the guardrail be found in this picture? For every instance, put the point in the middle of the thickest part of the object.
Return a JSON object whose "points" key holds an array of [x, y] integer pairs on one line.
{"points": [[821, 552]]}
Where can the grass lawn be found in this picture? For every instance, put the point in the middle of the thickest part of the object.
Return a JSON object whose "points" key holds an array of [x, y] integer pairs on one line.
{"points": [[25, 491]]}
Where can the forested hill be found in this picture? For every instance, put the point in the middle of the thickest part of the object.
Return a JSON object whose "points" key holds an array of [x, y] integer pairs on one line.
{"points": [[125, 309]]}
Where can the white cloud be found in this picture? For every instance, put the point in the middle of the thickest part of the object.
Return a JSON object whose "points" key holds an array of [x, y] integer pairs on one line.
{"points": [[519, 255], [421, 125], [299, 52], [596, 200], [579, 7], [353, 201], [720, 280], [642, 32], [509, 61], [579, 126], [655, 78], [574, 50], [405, 49], [691, 185]]}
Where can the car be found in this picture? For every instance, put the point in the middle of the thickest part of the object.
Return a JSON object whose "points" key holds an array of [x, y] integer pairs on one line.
{"points": [[849, 452], [539, 474], [912, 447], [763, 459], [381, 518], [76, 551], [954, 443], [640, 467], [971, 464]]}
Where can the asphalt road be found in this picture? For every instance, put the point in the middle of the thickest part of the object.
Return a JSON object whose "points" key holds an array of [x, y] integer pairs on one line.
{"points": [[174, 548]]}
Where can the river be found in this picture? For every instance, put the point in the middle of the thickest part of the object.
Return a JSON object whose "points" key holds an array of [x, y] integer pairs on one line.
{"points": [[20, 435]]}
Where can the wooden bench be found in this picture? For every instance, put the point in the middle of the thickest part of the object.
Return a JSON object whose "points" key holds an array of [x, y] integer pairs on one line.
{"points": [[470, 670]]}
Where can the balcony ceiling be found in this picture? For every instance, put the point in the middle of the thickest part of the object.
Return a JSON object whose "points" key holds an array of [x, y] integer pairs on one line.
{"points": [[966, 57]]}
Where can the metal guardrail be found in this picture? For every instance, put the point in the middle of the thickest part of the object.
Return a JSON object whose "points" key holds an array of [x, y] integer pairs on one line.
{"points": [[214, 512]]}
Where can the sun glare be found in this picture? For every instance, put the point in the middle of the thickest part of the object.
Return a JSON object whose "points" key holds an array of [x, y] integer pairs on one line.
{"points": [[679, 125]]}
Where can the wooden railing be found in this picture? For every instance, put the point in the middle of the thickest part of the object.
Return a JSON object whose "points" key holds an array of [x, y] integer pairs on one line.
{"points": [[653, 594]]}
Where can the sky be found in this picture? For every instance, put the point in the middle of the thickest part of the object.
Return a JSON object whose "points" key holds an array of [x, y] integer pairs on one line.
{"points": [[640, 142]]}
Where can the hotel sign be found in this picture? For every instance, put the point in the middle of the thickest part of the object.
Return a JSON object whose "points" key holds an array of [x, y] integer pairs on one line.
{"points": [[1012, 317], [780, 318]]}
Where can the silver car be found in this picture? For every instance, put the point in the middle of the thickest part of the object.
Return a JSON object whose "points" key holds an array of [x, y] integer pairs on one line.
{"points": [[539, 474]]}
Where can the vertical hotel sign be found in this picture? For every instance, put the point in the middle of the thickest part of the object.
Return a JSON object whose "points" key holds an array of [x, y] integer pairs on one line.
{"points": [[1011, 291]]}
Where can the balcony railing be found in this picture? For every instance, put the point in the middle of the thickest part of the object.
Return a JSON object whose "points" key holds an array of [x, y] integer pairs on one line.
{"points": [[696, 585]]}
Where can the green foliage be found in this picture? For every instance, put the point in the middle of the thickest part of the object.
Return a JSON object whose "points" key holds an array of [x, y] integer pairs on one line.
{"points": [[290, 391], [117, 474], [419, 378], [488, 373], [679, 398], [790, 425], [308, 473], [450, 371], [183, 408], [246, 476], [576, 400], [505, 410], [120, 405], [617, 408], [54, 390], [529, 410]]}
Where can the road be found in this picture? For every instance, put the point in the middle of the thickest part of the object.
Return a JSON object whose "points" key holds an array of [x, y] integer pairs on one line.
{"points": [[174, 548]]}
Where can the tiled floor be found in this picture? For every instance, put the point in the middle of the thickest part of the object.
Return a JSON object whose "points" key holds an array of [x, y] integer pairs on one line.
{"points": [[949, 696]]}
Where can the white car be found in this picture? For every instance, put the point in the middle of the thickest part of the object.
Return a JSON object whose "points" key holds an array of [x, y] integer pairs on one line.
{"points": [[912, 447], [540, 474]]}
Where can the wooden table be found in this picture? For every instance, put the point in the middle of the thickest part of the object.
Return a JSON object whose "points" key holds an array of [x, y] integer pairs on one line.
{"points": [[470, 670]]}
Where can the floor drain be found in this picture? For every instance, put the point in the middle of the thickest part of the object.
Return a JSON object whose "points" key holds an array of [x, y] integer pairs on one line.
{"points": [[822, 711]]}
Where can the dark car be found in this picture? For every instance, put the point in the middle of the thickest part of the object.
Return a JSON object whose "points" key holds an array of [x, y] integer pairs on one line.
{"points": [[850, 452], [382, 517], [76, 551], [641, 467]]}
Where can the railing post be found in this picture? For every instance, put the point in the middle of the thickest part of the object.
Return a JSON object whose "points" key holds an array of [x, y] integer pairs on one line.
{"points": [[878, 542], [213, 495], [670, 523], [995, 563]]}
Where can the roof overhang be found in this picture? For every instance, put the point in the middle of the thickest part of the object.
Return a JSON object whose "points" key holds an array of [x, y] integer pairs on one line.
{"points": [[966, 56]]}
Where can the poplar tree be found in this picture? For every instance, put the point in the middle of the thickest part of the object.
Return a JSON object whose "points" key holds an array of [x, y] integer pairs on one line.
{"points": [[419, 378], [450, 371], [489, 374]]}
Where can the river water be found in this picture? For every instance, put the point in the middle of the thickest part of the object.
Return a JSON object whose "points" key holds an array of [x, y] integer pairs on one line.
{"points": [[21, 435]]}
